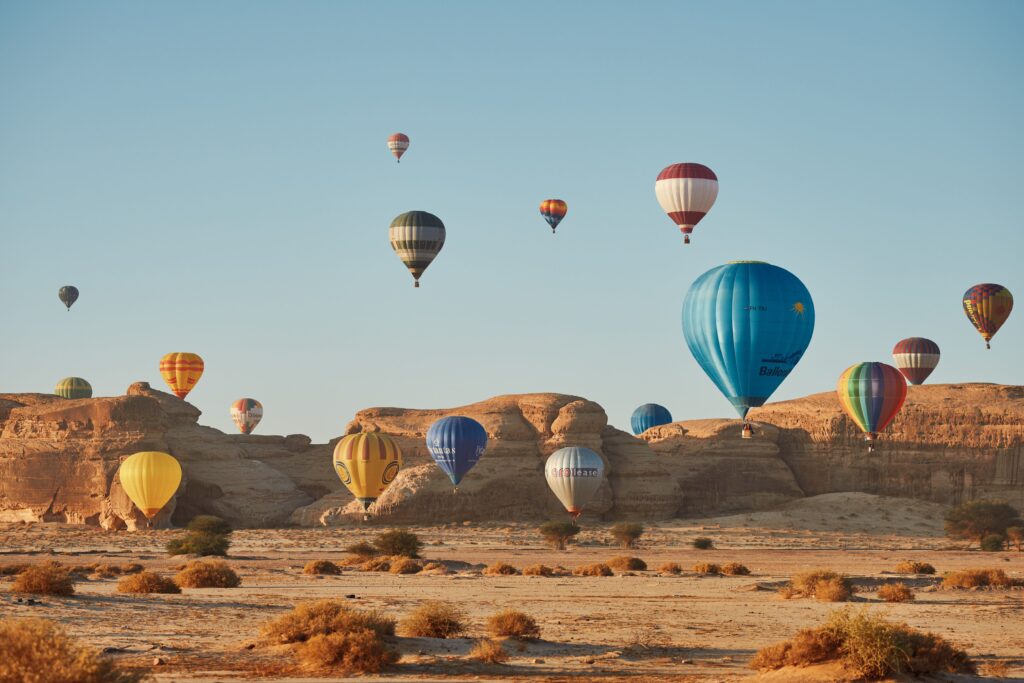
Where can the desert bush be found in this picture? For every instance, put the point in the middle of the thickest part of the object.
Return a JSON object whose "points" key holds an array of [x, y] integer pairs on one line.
{"points": [[199, 543], [209, 524], [596, 569], [974, 578], [107, 571], [405, 565], [512, 623], [359, 651], [321, 567], [538, 570], [707, 568], [626, 534], [735, 569], [376, 564], [435, 567], [213, 574], [823, 584], [1015, 535], [895, 592], [833, 590], [980, 518], [489, 652], [361, 550], [910, 567], [48, 578], [670, 568], [404, 543], [39, 651], [626, 563], [434, 619], [324, 617], [147, 582], [993, 543], [703, 543], [558, 534], [500, 569]]}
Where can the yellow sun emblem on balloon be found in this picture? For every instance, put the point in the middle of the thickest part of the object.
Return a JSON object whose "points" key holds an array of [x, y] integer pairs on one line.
{"points": [[798, 308]]}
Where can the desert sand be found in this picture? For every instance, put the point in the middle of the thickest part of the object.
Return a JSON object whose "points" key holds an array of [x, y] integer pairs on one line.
{"points": [[633, 626]]}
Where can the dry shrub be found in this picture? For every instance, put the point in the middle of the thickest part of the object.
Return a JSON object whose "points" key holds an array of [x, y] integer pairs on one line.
{"points": [[703, 543], [324, 617], [489, 651], [558, 534], [404, 543], [199, 543], [434, 619], [823, 584], [435, 568], [49, 578], [147, 582], [376, 564], [321, 567], [209, 524], [626, 534], [358, 651], [405, 565], [214, 574], [670, 568], [626, 563], [500, 569], [538, 570], [735, 569], [107, 571], [707, 568], [973, 578], [512, 623], [596, 569], [361, 550], [808, 646], [39, 651], [833, 590], [911, 567], [895, 592]]}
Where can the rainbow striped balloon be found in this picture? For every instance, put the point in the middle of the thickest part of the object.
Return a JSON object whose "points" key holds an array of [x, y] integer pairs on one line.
{"points": [[553, 211], [871, 394]]}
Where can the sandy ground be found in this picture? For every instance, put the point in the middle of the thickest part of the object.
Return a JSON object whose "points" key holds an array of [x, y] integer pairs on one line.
{"points": [[682, 628]]}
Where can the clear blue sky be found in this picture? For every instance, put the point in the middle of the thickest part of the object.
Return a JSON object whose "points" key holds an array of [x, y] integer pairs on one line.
{"points": [[214, 178]]}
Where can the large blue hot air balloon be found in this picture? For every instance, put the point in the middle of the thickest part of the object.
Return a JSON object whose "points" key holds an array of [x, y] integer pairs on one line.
{"points": [[456, 443], [649, 415], [748, 324]]}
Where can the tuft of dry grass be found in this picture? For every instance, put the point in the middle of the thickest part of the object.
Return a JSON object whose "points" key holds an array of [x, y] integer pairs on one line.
{"points": [[434, 619], [500, 569], [49, 578], [362, 549], [376, 564], [822, 584], [670, 568], [596, 569], [833, 590], [405, 565], [321, 567], [538, 570], [39, 651], [435, 568], [147, 582], [974, 578], [324, 617], [707, 568], [626, 563], [358, 651], [396, 542], [107, 571], [735, 569], [911, 567], [513, 623], [489, 652], [895, 592], [212, 574]]}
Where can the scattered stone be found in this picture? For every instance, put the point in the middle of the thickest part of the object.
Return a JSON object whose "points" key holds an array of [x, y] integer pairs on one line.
{"points": [[159, 661]]}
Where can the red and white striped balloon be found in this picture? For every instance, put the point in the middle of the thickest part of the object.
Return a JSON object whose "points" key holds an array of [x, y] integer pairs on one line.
{"points": [[916, 357], [686, 192], [398, 143]]}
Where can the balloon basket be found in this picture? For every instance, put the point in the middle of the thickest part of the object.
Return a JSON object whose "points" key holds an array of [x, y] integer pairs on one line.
{"points": [[416, 284]]}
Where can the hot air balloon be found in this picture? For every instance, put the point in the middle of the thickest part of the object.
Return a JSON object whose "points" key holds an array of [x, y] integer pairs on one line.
{"points": [[916, 357], [987, 307], [686, 193], [398, 143], [574, 475], [553, 211], [366, 463], [871, 394], [68, 294], [247, 413], [150, 479], [748, 324], [181, 371], [417, 238], [649, 415], [73, 387], [456, 443]]}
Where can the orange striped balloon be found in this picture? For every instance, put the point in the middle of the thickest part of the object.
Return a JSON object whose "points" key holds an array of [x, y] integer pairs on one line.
{"points": [[181, 371], [367, 463]]}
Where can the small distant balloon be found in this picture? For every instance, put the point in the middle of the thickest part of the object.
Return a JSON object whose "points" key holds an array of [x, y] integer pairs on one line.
{"points": [[68, 294], [150, 478], [246, 413], [367, 463], [398, 143], [73, 387], [553, 211], [181, 371], [574, 475], [916, 357], [417, 238], [649, 415], [871, 394], [686, 193], [987, 307], [456, 444]]}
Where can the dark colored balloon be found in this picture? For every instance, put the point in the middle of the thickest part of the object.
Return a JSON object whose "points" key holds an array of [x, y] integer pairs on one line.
{"points": [[68, 294], [649, 415]]}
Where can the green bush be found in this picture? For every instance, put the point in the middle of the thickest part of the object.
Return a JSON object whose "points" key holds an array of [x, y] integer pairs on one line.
{"points": [[980, 518], [209, 524], [402, 543], [558, 534], [199, 543], [993, 543], [626, 534], [703, 543]]}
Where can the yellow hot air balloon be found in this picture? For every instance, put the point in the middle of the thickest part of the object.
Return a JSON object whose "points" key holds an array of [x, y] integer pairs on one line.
{"points": [[181, 371], [366, 463], [150, 479]]}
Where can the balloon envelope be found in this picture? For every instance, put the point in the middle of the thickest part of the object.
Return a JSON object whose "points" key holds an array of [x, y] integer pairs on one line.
{"points": [[686, 193], [649, 415], [398, 143], [150, 479], [73, 387], [68, 294], [417, 238], [987, 307], [367, 463], [871, 394], [246, 413], [456, 444], [916, 357], [553, 211], [574, 475], [181, 371], [747, 324]]}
